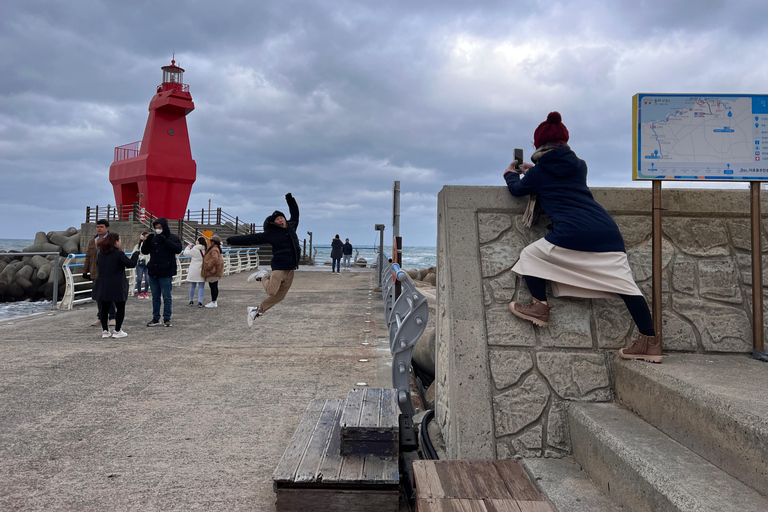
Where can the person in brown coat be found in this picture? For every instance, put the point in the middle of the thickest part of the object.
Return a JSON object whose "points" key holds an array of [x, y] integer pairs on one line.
{"points": [[213, 269], [91, 270]]}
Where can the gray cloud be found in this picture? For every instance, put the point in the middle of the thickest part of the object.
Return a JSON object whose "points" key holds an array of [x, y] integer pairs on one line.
{"points": [[334, 100]]}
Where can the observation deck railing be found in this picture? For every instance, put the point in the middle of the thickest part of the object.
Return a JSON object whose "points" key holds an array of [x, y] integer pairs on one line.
{"points": [[78, 290]]}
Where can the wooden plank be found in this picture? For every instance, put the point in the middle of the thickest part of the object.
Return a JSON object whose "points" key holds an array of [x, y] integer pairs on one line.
{"points": [[519, 484], [426, 480], [389, 409], [293, 454], [330, 468], [381, 470], [351, 469], [370, 413], [337, 500], [318, 443], [351, 416]]}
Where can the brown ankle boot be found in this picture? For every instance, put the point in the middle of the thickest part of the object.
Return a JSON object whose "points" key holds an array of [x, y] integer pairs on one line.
{"points": [[536, 312], [647, 348]]}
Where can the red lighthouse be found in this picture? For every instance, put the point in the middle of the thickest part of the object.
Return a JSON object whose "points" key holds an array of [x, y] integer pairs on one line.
{"points": [[158, 172]]}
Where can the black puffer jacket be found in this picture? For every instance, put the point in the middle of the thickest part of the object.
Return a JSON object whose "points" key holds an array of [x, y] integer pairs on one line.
{"points": [[337, 246], [162, 249], [286, 250]]}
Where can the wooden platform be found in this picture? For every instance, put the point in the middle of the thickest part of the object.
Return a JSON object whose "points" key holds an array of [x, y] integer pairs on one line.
{"points": [[313, 475], [476, 486], [369, 423]]}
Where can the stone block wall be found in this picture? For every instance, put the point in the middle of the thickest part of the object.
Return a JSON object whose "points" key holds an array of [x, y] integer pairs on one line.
{"points": [[502, 384]]}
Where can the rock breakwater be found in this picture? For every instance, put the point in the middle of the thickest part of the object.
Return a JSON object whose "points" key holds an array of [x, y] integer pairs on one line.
{"points": [[31, 277]]}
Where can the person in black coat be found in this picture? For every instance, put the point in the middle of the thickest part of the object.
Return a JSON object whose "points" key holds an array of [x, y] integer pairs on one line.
{"points": [[336, 251], [347, 253], [111, 286], [281, 235], [162, 246]]}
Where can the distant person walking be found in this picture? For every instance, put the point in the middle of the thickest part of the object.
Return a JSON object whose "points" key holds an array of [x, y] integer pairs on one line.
{"points": [[337, 248], [162, 246], [281, 235], [141, 268], [91, 270], [347, 249], [195, 271], [112, 286], [213, 269]]}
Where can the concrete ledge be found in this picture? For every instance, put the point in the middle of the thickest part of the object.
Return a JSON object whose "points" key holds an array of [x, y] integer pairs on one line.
{"points": [[714, 405], [567, 485], [641, 468]]}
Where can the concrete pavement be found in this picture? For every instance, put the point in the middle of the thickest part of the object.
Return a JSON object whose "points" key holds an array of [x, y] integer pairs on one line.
{"points": [[191, 417]]}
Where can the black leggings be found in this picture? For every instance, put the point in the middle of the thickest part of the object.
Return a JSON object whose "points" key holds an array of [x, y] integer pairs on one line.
{"points": [[214, 290], [636, 304], [119, 314]]}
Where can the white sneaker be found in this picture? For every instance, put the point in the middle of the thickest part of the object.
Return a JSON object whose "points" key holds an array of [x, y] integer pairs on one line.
{"points": [[212, 304], [106, 334], [253, 314], [257, 276], [119, 334]]}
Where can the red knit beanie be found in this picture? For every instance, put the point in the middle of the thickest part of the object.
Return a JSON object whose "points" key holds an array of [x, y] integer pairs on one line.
{"points": [[551, 130]]}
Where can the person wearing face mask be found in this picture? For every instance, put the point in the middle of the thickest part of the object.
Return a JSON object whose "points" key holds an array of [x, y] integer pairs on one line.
{"points": [[162, 246], [281, 234]]}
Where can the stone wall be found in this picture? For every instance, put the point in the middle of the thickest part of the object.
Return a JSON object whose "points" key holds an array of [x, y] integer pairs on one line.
{"points": [[502, 384]]}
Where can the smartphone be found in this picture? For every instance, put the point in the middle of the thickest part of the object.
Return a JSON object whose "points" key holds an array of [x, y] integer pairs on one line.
{"points": [[519, 157]]}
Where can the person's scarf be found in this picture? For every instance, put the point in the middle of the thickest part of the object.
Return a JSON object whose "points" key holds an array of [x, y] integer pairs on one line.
{"points": [[533, 210]]}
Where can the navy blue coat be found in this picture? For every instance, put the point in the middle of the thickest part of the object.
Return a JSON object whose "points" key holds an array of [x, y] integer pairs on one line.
{"points": [[559, 179]]}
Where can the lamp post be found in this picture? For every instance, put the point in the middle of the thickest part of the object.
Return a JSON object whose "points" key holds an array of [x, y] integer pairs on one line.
{"points": [[380, 264], [310, 247]]}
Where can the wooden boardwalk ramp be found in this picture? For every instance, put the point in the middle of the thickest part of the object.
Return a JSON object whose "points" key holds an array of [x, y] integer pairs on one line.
{"points": [[476, 486]]}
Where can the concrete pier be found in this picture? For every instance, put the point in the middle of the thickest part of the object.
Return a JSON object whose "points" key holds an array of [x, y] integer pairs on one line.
{"points": [[190, 417]]}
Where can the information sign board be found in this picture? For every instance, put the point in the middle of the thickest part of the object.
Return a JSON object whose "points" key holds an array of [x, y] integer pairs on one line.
{"points": [[700, 137]]}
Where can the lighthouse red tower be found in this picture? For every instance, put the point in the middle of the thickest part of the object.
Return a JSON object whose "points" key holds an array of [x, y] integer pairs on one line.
{"points": [[158, 172]]}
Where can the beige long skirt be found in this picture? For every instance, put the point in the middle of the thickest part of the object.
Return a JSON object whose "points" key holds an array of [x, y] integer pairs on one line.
{"points": [[578, 273]]}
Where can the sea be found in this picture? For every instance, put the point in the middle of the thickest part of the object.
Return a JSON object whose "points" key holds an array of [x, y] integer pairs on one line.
{"points": [[413, 257]]}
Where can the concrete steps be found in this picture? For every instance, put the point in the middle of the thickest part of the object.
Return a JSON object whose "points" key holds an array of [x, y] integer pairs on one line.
{"points": [[713, 405], [702, 448]]}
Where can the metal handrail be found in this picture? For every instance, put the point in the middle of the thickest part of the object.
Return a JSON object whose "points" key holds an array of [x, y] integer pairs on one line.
{"points": [[78, 291]]}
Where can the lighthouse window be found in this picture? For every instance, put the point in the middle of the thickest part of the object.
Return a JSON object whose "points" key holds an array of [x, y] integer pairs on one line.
{"points": [[170, 132]]}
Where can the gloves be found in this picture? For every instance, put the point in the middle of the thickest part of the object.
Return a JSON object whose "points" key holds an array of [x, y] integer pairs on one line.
{"points": [[86, 276], [160, 238], [288, 196]]}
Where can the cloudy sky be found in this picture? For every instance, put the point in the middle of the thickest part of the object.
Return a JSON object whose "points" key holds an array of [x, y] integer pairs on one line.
{"points": [[334, 100]]}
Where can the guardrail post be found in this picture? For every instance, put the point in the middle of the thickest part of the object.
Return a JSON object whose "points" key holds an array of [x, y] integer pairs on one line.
{"points": [[218, 216], [87, 214], [56, 264], [237, 221]]}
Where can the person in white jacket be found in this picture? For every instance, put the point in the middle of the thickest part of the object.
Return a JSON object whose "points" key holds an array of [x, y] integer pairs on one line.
{"points": [[194, 273]]}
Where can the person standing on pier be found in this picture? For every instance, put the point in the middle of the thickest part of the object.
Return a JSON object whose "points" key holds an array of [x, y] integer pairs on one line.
{"points": [[91, 270], [213, 269], [281, 235], [347, 250], [337, 249], [141, 268], [583, 254], [111, 286], [195, 277], [162, 246]]}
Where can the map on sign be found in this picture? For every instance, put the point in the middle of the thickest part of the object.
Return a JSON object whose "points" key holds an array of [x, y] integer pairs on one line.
{"points": [[700, 137]]}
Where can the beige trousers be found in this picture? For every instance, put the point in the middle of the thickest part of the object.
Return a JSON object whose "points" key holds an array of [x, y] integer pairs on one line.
{"points": [[276, 286]]}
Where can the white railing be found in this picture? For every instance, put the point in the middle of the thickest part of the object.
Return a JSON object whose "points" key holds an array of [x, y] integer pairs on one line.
{"points": [[78, 290]]}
